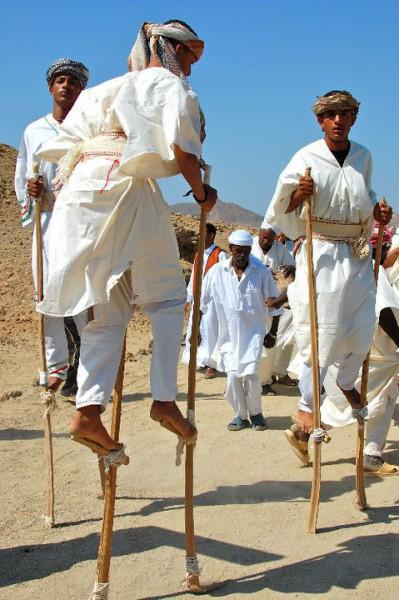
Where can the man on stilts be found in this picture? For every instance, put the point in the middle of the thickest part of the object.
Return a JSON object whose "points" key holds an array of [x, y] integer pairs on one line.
{"points": [[344, 208], [119, 138]]}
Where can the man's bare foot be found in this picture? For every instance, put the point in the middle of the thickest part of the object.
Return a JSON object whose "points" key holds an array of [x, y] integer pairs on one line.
{"points": [[170, 412], [86, 423], [304, 420], [352, 396], [54, 383]]}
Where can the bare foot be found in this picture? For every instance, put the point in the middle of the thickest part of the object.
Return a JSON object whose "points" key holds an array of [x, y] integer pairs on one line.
{"points": [[170, 412], [300, 435], [352, 396], [304, 420], [86, 423]]}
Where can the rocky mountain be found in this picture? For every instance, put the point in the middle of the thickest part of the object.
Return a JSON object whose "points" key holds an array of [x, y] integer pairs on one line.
{"points": [[223, 211]]}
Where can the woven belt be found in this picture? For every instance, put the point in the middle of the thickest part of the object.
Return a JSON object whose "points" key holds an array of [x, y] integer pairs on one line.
{"points": [[109, 144], [350, 233]]}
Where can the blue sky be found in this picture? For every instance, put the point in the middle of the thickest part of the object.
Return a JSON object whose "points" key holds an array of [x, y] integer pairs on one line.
{"points": [[263, 66]]}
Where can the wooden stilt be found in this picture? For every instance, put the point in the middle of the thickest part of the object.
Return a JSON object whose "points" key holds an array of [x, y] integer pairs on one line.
{"points": [[360, 499], [101, 586], [47, 396], [314, 341], [192, 580]]}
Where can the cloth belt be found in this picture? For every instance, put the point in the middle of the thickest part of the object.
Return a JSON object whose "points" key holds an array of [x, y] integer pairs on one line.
{"points": [[350, 233], [108, 144]]}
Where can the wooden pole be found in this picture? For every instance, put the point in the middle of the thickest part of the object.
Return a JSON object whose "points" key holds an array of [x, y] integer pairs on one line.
{"points": [[101, 586], [43, 378], [192, 580], [314, 342], [90, 317], [360, 499]]}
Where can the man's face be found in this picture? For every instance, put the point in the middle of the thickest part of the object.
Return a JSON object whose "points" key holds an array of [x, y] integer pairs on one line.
{"points": [[209, 239], [240, 255], [186, 58], [336, 124], [266, 239], [65, 89]]}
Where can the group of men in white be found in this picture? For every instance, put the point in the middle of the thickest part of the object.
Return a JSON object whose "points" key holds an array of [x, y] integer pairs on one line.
{"points": [[108, 243]]}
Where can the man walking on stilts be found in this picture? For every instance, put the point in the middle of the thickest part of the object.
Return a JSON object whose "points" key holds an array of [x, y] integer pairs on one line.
{"points": [[121, 136]]}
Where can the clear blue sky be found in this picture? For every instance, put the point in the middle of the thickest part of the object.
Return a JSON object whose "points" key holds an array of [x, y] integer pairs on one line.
{"points": [[263, 66]]}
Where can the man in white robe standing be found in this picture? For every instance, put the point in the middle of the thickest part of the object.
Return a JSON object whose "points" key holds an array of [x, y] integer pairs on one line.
{"points": [[239, 289], [344, 207], [281, 262], [209, 325], [66, 79], [115, 241]]}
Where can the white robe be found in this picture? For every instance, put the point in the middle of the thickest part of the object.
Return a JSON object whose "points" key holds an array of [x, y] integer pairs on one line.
{"points": [[275, 360], [208, 325], [382, 389], [344, 284], [241, 311], [111, 216]]}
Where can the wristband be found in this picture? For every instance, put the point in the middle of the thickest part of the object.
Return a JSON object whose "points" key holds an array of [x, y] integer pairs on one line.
{"points": [[201, 201], [272, 335]]}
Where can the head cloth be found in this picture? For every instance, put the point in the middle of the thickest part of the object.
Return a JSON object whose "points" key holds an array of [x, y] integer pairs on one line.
{"points": [[72, 67], [240, 237], [267, 225], [336, 101], [154, 40]]}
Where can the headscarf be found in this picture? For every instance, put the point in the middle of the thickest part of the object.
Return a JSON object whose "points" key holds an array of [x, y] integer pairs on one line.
{"points": [[154, 39], [386, 239], [339, 100], [240, 237], [72, 67]]}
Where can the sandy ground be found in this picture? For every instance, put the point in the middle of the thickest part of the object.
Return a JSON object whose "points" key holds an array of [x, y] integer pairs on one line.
{"points": [[251, 503]]}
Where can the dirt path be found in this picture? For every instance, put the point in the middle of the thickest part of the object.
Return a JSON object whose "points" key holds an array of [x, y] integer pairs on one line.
{"points": [[251, 504]]}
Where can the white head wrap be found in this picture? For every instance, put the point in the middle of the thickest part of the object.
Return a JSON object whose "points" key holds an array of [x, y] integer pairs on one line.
{"points": [[240, 237], [267, 225]]}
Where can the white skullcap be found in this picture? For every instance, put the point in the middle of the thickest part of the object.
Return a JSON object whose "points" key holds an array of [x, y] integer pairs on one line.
{"points": [[240, 237], [267, 225]]}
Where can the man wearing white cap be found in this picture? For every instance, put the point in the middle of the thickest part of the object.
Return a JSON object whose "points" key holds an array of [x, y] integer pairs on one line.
{"points": [[279, 259], [239, 288]]}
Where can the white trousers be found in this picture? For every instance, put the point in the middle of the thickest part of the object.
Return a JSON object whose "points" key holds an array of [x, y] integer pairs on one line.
{"points": [[102, 342], [244, 394], [348, 371], [377, 427]]}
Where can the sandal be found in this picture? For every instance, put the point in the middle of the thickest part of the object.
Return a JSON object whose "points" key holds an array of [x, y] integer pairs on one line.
{"points": [[300, 448], [238, 423]]}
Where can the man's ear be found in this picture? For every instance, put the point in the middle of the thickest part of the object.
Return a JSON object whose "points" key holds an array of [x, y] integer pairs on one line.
{"points": [[320, 120]]}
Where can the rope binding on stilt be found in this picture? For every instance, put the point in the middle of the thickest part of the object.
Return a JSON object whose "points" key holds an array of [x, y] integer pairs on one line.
{"points": [[100, 591], [48, 399], [115, 458]]}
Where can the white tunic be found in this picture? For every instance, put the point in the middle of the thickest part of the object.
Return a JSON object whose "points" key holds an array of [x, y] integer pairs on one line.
{"points": [[207, 253], [276, 257], [241, 311], [109, 215], [344, 284]]}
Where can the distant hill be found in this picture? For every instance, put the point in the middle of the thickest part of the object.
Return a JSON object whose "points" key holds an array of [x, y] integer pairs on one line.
{"points": [[223, 211]]}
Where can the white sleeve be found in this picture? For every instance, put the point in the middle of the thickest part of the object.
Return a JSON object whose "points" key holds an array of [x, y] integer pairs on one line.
{"points": [[367, 178], [190, 287], [270, 291], [23, 170], [156, 116]]}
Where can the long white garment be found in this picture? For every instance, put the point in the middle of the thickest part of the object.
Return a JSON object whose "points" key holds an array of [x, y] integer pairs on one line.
{"points": [[241, 311], [345, 287], [382, 390], [275, 360], [208, 325], [110, 215], [37, 133]]}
